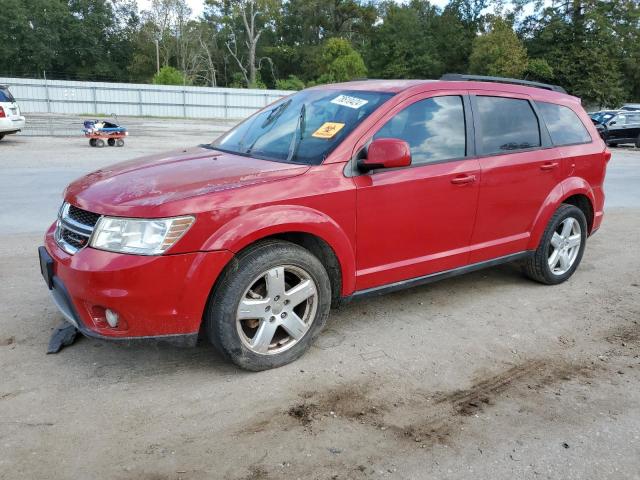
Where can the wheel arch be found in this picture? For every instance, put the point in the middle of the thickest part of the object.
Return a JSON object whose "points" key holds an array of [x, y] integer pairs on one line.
{"points": [[583, 202], [574, 191], [304, 226]]}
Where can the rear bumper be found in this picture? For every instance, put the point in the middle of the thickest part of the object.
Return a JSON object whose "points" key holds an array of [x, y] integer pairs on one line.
{"points": [[8, 125], [598, 214], [156, 297]]}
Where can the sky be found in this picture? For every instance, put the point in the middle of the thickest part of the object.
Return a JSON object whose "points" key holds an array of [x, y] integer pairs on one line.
{"points": [[197, 5]]}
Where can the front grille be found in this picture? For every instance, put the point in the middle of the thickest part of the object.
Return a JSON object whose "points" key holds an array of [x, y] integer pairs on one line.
{"points": [[74, 228], [82, 216], [75, 240]]}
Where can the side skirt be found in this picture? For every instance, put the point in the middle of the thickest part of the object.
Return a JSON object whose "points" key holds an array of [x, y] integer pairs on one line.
{"points": [[434, 277]]}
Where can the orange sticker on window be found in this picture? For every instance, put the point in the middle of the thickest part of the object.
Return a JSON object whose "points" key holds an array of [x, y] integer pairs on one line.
{"points": [[328, 130]]}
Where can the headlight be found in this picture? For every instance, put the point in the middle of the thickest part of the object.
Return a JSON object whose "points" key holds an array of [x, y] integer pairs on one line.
{"points": [[138, 236]]}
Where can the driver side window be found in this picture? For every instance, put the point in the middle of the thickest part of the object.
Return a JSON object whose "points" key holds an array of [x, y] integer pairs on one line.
{"points": [[434, 128]]}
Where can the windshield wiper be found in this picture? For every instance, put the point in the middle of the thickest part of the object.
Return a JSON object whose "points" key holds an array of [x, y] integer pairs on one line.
{"points": [[275, 113], [273, 116], [295, 141]]}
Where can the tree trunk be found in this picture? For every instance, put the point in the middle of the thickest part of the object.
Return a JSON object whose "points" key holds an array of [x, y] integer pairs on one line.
{"points": [[252, 65]]}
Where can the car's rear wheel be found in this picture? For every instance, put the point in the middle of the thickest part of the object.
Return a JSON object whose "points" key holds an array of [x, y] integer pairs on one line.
{"points": [[269, 305], [561, 247]]}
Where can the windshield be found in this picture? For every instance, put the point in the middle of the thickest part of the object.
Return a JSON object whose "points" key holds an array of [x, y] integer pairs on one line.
{"points": [[602, 117], [303, 128]]}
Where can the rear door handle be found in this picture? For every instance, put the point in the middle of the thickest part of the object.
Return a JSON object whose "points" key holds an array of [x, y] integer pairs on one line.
{"points": [[548, 166], [462, 179]]}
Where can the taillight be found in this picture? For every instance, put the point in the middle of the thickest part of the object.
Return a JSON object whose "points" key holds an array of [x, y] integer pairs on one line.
{"points": [[2, 115]]}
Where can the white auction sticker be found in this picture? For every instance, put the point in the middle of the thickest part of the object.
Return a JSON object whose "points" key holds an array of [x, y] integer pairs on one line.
{"points": [[347, 101]]}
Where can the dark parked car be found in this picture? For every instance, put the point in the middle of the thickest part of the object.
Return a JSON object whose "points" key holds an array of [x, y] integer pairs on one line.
{"points": [[617, 127]]}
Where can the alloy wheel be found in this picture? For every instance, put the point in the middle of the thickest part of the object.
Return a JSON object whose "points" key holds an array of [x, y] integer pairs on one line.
{"points": [[277, 309], [565, 246]]}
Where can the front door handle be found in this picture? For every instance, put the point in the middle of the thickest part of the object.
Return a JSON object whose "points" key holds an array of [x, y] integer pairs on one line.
{"points": [[549, 166], [463, 179]]}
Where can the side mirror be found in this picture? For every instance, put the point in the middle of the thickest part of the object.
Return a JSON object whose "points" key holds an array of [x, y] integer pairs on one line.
{"points": [[386, 153]]}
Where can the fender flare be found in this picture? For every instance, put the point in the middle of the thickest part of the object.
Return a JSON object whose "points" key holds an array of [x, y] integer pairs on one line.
{"points": [[254, 225], [567, 188]]}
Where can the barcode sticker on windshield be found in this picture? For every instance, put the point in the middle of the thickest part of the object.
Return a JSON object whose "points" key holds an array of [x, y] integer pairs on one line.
{"points": [[328, 130], [351, 102]]}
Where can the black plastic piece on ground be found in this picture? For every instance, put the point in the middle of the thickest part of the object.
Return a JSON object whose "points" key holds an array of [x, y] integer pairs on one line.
{"points": [[63, 336]]}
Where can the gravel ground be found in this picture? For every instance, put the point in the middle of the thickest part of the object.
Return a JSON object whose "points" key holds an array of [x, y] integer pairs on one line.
{"points": [[483, 376]]}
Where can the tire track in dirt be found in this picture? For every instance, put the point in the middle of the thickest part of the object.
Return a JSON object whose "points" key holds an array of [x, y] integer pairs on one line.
{"points": [[418, 419]]}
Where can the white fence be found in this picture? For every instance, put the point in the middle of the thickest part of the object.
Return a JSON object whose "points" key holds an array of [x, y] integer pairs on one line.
{"points": [[70, 97]]}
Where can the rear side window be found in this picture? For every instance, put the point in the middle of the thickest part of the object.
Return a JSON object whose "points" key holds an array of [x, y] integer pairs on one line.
{"points": [[505, 124], [565, 127], [5, 95], [633, 118], [434, 128]]}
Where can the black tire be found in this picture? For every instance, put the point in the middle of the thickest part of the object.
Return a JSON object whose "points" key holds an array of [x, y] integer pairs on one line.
{"points": [[111, 142], [92, 142], [238, 277], [537, 266]]}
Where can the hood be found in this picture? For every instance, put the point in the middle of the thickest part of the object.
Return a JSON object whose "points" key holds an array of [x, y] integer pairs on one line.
{"points": [[138, 186]]}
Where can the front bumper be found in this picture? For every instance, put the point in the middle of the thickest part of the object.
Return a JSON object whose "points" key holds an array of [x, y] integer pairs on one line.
{"points": [[156, 297]]}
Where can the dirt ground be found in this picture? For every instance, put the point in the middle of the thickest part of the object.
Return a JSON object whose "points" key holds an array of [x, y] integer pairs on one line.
{"points": [[486, 376]]}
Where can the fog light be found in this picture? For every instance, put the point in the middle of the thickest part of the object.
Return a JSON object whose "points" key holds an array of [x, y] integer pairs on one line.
{"points": [[112, 318]]}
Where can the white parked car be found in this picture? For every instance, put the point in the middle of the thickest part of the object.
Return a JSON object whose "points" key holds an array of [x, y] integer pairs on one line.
{"points": [[10, 119]]}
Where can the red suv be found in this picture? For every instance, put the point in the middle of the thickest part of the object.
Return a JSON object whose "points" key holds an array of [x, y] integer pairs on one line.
{"points": [[337, 191]]}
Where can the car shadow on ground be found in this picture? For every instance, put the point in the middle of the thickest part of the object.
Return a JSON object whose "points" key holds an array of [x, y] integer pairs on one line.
{"points": [[11, 140], [115, 362]]}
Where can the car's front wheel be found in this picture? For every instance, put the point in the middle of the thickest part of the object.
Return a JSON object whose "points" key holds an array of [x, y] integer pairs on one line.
{"points": [[269, 305], [561, 247]]}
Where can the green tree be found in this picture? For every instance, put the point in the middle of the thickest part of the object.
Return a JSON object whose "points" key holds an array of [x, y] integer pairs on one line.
{"points": [[83, 39], [142, 66], [539, 69], [586, 43], [169, 76], [290, 83], [499, 52], [341, 62], [302, 26], [31, 35], [403, 44], [456, 30]]}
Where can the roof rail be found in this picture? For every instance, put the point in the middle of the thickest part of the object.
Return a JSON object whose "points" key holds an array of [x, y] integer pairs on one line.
{"points": [[481, 78]]}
